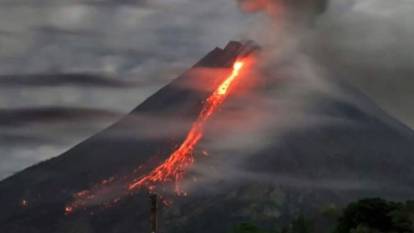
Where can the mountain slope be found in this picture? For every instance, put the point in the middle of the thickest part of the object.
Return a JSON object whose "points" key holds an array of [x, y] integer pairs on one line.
{"points": [[120, 148]]}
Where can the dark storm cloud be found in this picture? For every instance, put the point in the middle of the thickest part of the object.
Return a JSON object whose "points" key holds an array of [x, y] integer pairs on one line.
{"points": [[48, 115], [76, 35], [6, 34], [29, 135], [82, 80], [52, 31], [50, 125], [17, 140], [40, 3]]}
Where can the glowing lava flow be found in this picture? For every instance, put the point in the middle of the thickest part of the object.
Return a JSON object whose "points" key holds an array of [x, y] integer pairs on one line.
{"points": [[180, 160], [171, 170]]}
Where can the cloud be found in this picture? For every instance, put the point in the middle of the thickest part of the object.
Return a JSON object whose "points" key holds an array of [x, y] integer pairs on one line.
{"points": [[296, 10], [304, 66], [139, 46], [72, 79], [50, 125], [165, 33], [30, 135], [19, 117], [368, 43], [41, 3]]}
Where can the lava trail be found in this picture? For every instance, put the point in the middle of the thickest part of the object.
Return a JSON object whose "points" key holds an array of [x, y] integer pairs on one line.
{"points": [[173, 169]]}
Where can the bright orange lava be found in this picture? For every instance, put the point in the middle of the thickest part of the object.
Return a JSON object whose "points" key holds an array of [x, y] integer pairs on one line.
{"points": [[173, 169]]}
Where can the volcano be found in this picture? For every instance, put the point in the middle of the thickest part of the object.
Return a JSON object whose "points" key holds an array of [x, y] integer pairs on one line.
{"points": [[371, 147]]}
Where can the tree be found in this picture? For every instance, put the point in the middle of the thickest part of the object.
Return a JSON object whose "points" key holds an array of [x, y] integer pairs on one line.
{"points": [[247, 228], [403, 217], [301, 225], [377, 215]]}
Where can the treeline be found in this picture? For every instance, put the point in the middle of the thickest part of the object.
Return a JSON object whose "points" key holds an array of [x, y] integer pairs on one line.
{"points": [[373, 215]]}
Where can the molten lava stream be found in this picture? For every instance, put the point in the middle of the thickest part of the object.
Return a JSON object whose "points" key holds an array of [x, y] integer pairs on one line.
{"points": [[181, 159]]}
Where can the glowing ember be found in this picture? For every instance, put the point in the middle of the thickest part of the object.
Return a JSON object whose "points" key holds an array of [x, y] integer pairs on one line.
{"points": [[68, 210], [173, 169], [24, 203]]}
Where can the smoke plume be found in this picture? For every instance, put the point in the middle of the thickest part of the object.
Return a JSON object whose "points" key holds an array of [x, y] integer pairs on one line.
{"points": [[303, 48], [294, 10]]}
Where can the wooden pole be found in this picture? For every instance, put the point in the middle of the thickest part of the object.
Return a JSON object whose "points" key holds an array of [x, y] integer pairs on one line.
{"points": [[153, 212]]}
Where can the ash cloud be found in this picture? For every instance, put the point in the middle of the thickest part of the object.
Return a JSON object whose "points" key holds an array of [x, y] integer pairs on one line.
{"points": [[291, 11], [270, 6], [307, 57], [366, 43]]}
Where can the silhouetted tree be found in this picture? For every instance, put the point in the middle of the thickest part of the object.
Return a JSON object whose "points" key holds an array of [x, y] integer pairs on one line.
{"points": [[377, 215], [301, 225], [247, 228]]}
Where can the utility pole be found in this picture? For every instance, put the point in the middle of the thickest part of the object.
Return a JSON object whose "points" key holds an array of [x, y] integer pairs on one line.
{"points": [[153, 212]]}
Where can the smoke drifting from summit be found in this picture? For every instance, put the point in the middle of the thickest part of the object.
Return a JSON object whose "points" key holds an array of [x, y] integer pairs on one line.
{"points": [[304, 44], [368, 43], [294, 9]]}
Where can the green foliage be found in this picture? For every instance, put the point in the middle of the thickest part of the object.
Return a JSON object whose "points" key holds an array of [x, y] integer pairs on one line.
{"points": [[298, 225], [403, 217], [330, 211], [377, 215], [247, 228], [301, 225], [373, 215], [363, 229]]}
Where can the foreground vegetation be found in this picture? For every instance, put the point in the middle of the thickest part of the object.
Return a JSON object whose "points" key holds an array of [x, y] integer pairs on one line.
{"points": [[365, 216]]}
